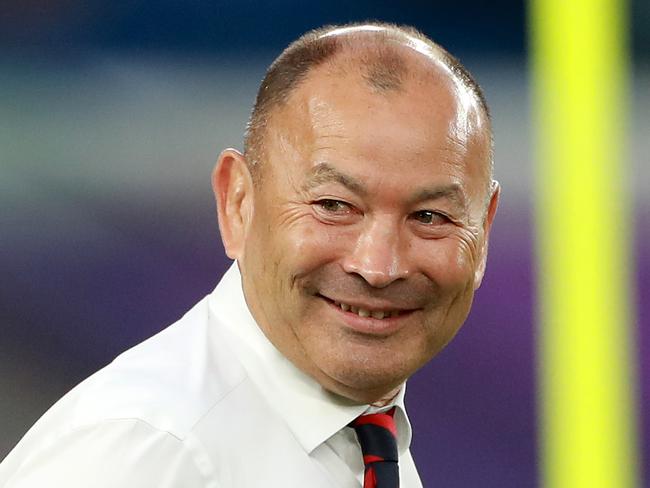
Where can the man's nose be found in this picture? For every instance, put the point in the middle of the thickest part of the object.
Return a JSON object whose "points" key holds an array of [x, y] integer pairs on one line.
{"points": [[378, 256]]}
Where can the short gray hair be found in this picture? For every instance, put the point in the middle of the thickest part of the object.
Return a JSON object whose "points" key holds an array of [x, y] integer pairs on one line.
{"points": [[382, 68]]}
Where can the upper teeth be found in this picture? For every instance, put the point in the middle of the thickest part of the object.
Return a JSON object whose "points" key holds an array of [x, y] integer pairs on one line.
{"points": [[362, 312]]}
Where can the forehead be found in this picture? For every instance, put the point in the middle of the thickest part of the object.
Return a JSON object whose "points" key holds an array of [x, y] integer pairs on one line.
{"points": [[335, 113], [399, 75]]}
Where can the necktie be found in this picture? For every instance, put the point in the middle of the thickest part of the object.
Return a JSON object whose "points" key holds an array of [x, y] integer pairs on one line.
{"points": [[376, 433]]}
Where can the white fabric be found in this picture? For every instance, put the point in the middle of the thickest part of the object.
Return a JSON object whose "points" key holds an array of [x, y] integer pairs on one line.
{"points": [[208, 402]]}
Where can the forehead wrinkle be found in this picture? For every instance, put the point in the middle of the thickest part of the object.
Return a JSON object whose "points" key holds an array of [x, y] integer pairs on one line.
{"points": [[325, 173]]}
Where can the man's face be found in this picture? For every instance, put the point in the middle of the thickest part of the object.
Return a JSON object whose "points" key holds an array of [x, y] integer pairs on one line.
{"points": [[367, 238]]}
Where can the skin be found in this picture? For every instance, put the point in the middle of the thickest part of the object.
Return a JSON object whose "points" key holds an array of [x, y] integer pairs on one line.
{"points": [[376, 200]]}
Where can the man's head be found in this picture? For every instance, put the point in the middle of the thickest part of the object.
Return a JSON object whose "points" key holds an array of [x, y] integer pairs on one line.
{"points": [[361, 209]]}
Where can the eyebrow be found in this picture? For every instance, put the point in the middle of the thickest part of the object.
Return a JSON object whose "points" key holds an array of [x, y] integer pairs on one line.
{"points": [[452, 192], [325, 173]]}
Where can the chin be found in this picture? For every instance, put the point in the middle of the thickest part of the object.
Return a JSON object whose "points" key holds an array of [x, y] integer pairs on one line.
{"points": [[362, 382]]}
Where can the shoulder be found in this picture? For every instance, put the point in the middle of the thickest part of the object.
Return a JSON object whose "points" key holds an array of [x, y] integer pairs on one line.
{"points": [[139, 411], [169, 381], [126, 452], [132, 423], [160, 389]]}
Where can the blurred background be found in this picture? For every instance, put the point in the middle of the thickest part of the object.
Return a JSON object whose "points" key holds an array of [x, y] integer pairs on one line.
{"points": [[112, 115]]}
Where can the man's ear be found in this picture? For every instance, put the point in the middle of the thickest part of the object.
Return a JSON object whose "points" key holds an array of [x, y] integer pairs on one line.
{"points": [[495, 191], [233, 190]]}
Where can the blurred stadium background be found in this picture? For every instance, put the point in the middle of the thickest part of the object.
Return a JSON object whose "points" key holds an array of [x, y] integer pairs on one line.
{"points": [[111, 117]]}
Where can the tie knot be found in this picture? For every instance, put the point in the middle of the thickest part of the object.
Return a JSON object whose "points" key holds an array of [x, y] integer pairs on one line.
{"points": [[377, 435]]}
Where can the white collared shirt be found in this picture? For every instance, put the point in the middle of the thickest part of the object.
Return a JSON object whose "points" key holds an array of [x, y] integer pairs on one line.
{"points": [[207, 402]]}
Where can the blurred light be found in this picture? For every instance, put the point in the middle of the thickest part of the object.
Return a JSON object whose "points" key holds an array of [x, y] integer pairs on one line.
{"points": [[580, 67]]}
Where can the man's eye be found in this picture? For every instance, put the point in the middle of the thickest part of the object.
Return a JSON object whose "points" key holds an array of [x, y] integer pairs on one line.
{"points": [[429, 217], [333, 206]]}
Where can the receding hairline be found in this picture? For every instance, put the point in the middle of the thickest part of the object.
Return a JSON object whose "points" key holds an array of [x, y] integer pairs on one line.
{"points": [[379, 52]]}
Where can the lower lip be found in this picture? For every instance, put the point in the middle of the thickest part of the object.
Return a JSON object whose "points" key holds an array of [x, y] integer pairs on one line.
{"points": [[369, 325]]}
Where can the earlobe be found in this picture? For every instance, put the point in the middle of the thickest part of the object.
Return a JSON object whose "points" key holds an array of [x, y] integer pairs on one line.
{"points": [[233, 190], [495, 191]]}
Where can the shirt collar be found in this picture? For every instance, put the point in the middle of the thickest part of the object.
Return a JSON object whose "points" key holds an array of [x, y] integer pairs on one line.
{"points": [[312, 413]]}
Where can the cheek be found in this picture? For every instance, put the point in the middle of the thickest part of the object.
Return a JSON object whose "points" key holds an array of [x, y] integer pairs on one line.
{"points": [[306, 246], [450, 261], [466, 251]]}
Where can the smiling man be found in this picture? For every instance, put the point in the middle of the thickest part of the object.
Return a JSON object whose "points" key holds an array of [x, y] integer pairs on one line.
{"points": [[358, 216]]}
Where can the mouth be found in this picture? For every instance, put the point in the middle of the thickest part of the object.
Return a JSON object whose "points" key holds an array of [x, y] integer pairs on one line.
{"points": [[373, 318], [367, 312]]}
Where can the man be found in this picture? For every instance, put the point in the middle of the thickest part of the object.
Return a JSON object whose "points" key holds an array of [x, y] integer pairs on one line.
{"points": [[359, 217]]}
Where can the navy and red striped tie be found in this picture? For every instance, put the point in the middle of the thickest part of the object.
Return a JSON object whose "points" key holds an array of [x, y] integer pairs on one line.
{"points": [[377, 435]]}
